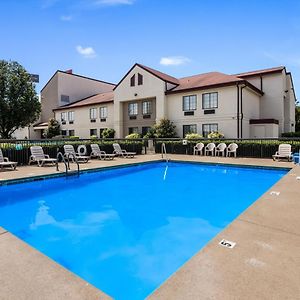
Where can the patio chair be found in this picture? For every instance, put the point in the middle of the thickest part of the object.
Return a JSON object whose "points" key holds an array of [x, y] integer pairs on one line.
{"points": [[4, 162], [284, 152], [210, 148], [96, 152], [122, 152], [198, 149], [231, 149], [220, 149], [70, 154], [37, 155]]}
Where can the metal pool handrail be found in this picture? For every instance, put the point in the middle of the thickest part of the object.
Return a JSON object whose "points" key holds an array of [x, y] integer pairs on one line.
{"points": [[164, 152], [67, 165]]}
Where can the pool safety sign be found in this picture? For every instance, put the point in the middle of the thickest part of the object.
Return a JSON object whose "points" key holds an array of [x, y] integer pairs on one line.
{"points": [[227, 244]]}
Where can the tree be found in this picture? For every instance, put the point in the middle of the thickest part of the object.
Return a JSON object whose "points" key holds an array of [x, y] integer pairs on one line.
{"points": [[165, 129], [53, 129], [297, 118], [19, 104]]}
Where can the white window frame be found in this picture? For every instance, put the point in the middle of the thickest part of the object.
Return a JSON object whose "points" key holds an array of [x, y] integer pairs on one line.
{"points": [[93, 113], [103, 112], [134, 111], [188, 104]]}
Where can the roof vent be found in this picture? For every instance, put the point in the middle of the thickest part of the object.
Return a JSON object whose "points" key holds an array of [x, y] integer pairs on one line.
{"points": [[70, 71]]}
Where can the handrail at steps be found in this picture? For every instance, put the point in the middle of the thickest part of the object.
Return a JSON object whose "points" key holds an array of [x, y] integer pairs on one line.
{"points": [[164, 151], [67, 164]]}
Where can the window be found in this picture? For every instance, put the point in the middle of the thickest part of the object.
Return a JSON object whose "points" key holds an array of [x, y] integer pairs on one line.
{"points": [[65, 98], [101, 132], [64, 132], [93, 113], [189, 103], [132, 80], [71, 117], [93, 132], [71, 132], [140, 79], [209, 100], [208, 128], [189, 129], [63, 117], [132, 109], [147, 107], [145, 130], [103, 112], [133, 130]]}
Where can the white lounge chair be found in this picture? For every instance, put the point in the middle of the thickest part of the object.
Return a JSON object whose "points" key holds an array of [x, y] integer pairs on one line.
{"points": [[38, 155], [70, 154], [122, 152], [97, 152], [210, 148], [284, 152], [220, 149], [198, 149], [231, 149], [4, 162]]}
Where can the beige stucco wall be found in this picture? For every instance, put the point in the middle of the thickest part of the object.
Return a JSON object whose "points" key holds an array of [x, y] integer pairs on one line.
{"points": [[76, 87], [152, 87], [250, 107], [79, 87], [82, 123], [225, 114], [49, 99], [139, 121], [272, 103]]}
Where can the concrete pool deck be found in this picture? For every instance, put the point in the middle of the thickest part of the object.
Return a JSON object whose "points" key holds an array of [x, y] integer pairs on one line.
{"points": [[264, 264]]}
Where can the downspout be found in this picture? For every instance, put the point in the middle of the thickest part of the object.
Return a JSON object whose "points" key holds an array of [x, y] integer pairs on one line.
{"points": [[242, 115], [238, 110]]}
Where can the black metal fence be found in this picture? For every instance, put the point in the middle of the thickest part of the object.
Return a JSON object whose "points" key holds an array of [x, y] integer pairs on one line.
{"points": [[256, 148], [19, 150]]}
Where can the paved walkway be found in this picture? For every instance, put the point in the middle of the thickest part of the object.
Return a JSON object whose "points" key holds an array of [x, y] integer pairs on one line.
{"points": [[264, 264]]}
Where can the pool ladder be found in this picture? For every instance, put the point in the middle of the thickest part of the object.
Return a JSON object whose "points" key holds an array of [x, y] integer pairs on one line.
{"points": [[67, 163], [164, 154]]}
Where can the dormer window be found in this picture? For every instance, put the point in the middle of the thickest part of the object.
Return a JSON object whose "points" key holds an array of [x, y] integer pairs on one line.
{"points": [[132, 80], [140, 79]]}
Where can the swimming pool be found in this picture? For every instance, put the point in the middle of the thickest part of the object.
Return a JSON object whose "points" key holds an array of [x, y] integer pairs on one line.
{"points": [[126, 230]]}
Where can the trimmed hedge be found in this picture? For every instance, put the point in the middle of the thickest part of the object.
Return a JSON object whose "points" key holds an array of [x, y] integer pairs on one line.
{"points": [[19, 151], [291, 134], [247, 148]]}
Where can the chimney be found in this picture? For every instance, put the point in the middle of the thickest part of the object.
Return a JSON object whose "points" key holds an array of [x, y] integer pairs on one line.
{"points": [[70, 71]]}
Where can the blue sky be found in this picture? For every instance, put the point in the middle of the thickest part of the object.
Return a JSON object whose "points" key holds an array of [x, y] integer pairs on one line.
{"points": [[104, 38]]}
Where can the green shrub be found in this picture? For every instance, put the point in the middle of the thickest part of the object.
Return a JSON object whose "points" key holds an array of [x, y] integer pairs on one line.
{"points": [[108, 133], [291, 134], [165, 129], [133, 136], [193, 136], [93, 137], [215, 135], [74, 137]]}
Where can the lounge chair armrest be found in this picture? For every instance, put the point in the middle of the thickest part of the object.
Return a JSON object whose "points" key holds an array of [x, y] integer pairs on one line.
{"points": [[47, 156], [6, 159]]}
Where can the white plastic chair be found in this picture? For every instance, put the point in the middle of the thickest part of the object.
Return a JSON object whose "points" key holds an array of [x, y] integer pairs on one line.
{"points": [[97, 152], [284, 151], [232, 148], [198, 149], [210, 148], [5, 162], [38, 155], [220, 149]]}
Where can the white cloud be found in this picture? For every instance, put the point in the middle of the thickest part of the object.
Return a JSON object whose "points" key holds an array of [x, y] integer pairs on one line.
{"points": [[174, 60], [66, 18], [114, 2], [87, 52]]}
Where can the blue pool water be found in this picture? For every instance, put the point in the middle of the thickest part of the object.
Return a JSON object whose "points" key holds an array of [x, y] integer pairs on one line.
{"points": [[127, 230]]}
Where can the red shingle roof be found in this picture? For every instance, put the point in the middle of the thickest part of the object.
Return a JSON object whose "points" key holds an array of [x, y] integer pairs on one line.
{"points": [[206, 80], [259, 72], [92, 100]]}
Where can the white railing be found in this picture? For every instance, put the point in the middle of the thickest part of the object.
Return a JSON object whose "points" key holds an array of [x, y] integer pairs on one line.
{"points": [[164, 154]]}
